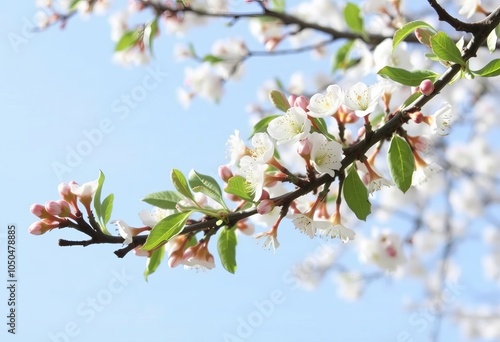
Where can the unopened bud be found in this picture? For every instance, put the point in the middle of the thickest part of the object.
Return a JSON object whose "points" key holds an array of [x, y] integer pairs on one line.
{"points": [[38, 210], [141, 252], [361, 131], [265, 207], [291, 100], [225, 173], [53, 208], [264, 195], [304, 147], [301, 102], [417, 117], [426, 87], [41, 227]]}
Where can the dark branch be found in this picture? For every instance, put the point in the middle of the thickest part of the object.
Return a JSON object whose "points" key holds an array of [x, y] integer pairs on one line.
{"points": [[458, 25]]}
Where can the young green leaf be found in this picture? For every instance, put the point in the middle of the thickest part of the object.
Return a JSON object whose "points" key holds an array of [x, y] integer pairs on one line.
{"points": [[163, 199], [206, 185], [226, 245], [107, 209], [409, 78], [261, 126], [128, 40], [72, 5], [409, 100], [490, 70], [237, 185], [212, 59], [401, 163], [181, 184], [279, 100], [444, 47], [154, 261], [320, 125], [407, 29], [278, 5], [97, 195], [341, 60], [353, 17], [150, 32], [166, 229], [356, 195]]}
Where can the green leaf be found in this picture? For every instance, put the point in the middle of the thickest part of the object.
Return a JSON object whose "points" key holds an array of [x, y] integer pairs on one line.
{"points": [[320, 125], [261, 126], [356, 195], [409, 78], [401, 163], [212, 59], [73, 4], [410, 100], [278, 5], [150, 32], [490, 70], [353, 17], [181, 184], [206, 185], [376, 119], [279, 100], [238, 186], [444, 47], [341, 60], [97, 195], [226, 245], [163, 199], [491, 41], [128, 40], [107, 209], [154, 261], [166, 229], [407, 29]]}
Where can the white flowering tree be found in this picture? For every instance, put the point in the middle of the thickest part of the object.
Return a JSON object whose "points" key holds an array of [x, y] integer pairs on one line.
{"points": [[370, 146]]}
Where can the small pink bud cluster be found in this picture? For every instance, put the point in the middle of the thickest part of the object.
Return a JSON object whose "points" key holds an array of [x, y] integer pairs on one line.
{"points": [[55, 214], [196, 256]]}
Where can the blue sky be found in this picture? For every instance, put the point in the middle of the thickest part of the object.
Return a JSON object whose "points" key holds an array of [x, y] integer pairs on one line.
{"points": [[58, 85]]}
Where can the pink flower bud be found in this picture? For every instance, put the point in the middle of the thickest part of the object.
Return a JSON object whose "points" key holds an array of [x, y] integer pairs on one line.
{"points": [[264, 195], [272, 43], [265, 207], [301, 102], [422, 144], [361, 131], [53, 208], [38, 210], [225, 173], [426, 87], [304, 147], [41, 227], [417, 117], [140, 252], [291, 100], [175, 259], [351, 117]]}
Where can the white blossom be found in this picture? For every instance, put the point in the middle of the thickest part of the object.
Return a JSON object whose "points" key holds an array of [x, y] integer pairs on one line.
{"points": [[290, 127], [321, 106], [326, 156]]}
